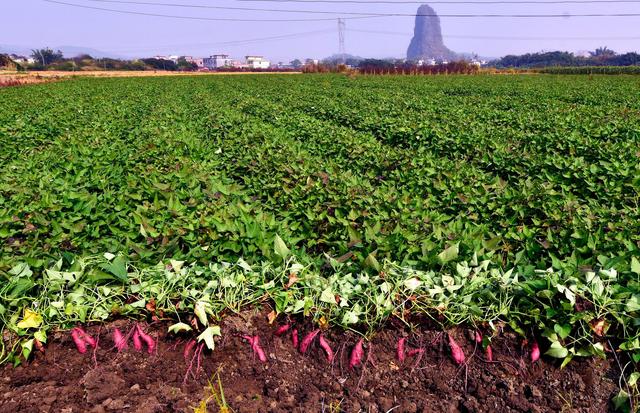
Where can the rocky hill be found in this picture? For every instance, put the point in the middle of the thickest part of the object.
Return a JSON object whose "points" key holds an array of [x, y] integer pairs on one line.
{"points": [[427, 38]]}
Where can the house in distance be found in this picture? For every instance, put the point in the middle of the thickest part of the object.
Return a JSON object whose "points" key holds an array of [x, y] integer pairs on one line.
{"points": [[257, 62]]}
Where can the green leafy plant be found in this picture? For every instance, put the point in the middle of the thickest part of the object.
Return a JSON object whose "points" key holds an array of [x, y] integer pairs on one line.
{"points": [[471, 200]]}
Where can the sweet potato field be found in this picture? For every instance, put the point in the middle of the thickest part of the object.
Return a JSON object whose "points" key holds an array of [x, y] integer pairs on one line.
{"points": [[385, 208]]}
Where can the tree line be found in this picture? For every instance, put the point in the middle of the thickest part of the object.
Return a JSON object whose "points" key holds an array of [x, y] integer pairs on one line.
{"points": [[48, 59], [602, 56]]}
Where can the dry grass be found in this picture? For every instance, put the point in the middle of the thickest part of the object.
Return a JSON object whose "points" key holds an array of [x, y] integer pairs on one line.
{"points": [[9, 78]]}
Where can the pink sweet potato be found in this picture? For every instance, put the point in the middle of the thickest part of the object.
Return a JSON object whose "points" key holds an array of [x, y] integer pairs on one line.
{"points": [[489, 353], [400, 349], [307, 340], [78, 340], [254, 342], [356, 354], [250, 339], [327, 348], [294, 338], [456, 351], [90, 340], [535, 352], [282, 329], [257, 349], [137, 342], [148, 340], [85, 337], [119, 340]]}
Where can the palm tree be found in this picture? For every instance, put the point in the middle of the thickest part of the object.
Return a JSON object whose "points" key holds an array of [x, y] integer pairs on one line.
{"points": [[602, 52]]}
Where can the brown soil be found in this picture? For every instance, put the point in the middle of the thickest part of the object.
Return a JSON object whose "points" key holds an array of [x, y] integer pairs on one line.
{"points": [[62, 380]]}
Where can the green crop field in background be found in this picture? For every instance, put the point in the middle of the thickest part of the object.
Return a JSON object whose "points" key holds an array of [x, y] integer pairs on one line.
{"points": [[213, 167]]}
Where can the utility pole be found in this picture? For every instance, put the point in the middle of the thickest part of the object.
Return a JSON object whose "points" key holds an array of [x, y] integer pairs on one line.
{"points": [[342, 27]]}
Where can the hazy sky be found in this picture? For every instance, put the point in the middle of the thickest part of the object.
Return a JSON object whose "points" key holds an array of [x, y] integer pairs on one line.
{"points": [[35, 23]]}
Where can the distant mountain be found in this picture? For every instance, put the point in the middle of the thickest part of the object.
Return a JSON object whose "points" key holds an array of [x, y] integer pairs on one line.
{"points": [[13, 49], [69, 51], [427, 38]]}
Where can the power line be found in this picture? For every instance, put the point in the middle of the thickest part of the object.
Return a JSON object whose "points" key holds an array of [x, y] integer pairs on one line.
{"points": [[359, 15], [281, 37], [231, 42], [229, 19], [456, 36], [443, 1], [205, 6]]}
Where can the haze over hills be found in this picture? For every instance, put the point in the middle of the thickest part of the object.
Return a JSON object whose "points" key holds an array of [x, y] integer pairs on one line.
{"points": [[68, 51]]}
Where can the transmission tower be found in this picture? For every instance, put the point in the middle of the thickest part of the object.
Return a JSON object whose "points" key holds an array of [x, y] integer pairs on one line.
{"points": [[342, 28]]}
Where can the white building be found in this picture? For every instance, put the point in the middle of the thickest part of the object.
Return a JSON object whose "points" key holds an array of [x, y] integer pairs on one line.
{"points": [[257, 62], [217, 61], [198, 61], [426, 62], [22, 60], [173, 58], [236, 64]]}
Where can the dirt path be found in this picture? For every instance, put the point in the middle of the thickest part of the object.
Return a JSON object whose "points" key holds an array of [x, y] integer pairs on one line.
{"points": [[62, 380]]}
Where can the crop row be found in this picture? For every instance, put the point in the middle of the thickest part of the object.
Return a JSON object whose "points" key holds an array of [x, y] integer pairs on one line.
{"points": [[209, 168]]}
